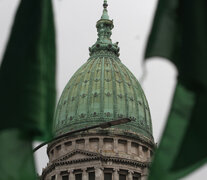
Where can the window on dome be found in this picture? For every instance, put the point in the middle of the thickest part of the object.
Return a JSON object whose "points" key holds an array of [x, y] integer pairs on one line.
{"points": [[53, 177], [108, 144], [94, 144], [122, 145], [68, 143], [80, 143], [58, 147], [134, 148]]}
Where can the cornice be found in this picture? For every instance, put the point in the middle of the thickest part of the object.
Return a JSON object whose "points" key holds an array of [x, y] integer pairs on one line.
{"points": [[62, 161]]}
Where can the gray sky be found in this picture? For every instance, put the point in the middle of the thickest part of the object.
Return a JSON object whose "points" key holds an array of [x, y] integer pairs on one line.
{"points": [[75, 23]]}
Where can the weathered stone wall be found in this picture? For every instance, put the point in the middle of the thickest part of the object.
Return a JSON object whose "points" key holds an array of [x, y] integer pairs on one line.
{"points": [[97, 155]]}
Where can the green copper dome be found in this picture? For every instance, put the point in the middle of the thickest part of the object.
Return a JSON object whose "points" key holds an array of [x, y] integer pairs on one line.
{"points": [[103, 89]]}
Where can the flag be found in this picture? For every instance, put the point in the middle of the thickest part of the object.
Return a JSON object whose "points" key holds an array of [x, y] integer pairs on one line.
{"points": [[17, 162], [27, 73], [27, 88], [179, 34]]}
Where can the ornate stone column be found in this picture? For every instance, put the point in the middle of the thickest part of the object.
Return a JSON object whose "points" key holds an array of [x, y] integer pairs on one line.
{"points": [[71, 175], [116, 174], [130, 176], [85, 174], [98, 173]]}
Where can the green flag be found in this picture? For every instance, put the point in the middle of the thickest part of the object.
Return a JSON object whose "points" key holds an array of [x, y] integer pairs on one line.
{"points": [[27, 73], [17, 162], [27, 88], [179, 34]]}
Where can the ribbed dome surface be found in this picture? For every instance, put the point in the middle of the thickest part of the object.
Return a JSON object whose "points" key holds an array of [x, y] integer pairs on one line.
{"points": [[103, 89]]}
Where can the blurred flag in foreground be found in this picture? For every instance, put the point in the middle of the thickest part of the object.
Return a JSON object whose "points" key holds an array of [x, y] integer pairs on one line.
{"points": [[179, 33], [27, 88]]}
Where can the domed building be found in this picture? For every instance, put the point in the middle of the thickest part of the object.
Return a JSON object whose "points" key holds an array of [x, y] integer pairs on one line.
{"points": [[102, 90]]}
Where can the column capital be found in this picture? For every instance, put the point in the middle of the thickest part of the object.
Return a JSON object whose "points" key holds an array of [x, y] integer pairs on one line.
{"points": [[71, 175], [99, 168], [84, 169], [71, 170], [116, 169]]}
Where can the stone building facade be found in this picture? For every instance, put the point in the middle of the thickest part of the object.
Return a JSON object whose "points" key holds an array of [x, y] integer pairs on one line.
{"points": [[103, 89]]}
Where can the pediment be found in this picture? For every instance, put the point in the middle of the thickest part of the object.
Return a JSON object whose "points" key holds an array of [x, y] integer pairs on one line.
{"points": [[77, 155]]}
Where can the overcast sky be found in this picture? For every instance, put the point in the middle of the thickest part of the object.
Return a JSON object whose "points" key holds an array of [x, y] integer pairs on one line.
{"points": [[75, 27]]}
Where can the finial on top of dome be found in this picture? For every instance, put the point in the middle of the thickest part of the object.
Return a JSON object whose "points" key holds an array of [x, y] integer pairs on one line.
{"points": [[105, 5], [104, 27], [105, 11]]}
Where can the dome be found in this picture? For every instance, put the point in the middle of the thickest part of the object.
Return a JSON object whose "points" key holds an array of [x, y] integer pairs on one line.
{"points": [[103, 89]]}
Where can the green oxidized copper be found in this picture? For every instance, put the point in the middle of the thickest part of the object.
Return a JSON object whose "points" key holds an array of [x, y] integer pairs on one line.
{"points": [[104, 27], [103, 89]]}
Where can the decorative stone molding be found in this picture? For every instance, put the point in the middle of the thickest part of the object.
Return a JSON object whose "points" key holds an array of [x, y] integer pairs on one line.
{"points": [[91, 157], [107, 149]]}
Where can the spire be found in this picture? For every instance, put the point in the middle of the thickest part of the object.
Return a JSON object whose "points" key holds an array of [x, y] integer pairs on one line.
{"points": [[105, 12], [104, 27]]}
